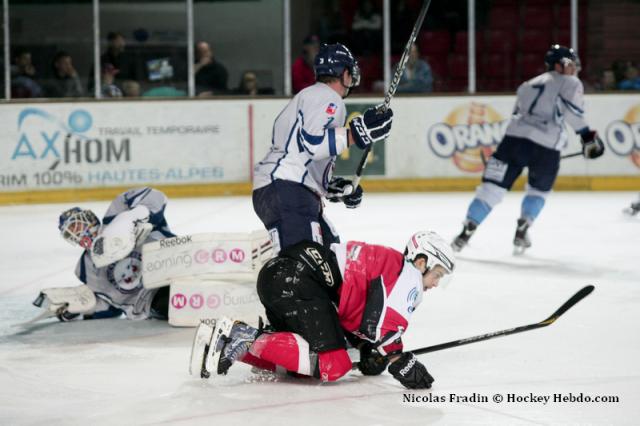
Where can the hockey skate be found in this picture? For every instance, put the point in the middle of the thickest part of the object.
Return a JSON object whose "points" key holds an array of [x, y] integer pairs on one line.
{"points": [[231, 340], [462, 239], [634, 209], [521, 240], [200, 348]]}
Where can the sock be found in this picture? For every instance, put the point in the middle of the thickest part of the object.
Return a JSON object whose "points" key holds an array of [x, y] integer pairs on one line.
{"points": [[531, 207], [478, 211]]}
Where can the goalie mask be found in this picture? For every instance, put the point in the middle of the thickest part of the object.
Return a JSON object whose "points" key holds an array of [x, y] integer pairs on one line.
{"points": [[79, 227], [429, 245]]}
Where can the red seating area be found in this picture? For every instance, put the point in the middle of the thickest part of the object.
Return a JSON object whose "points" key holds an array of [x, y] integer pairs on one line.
{"points": [[510, 46]]}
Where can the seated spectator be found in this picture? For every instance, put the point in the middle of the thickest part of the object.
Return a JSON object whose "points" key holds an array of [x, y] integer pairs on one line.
{"points": [[109, 89], [302, 74], [65, 82], [164, 89], [417, 76], [117, 56], [211, 76], [607, 80], [249, 86], [23, 76], [131, 89], [366, 29], [631, 80]]}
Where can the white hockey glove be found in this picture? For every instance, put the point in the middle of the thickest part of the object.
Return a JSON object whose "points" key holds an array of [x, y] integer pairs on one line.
{"points": [[117, 239], [67, 303], [373, 126], [341, 189]]}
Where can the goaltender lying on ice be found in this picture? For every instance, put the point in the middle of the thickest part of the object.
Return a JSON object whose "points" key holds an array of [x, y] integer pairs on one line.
{"points": [[129, 260]]}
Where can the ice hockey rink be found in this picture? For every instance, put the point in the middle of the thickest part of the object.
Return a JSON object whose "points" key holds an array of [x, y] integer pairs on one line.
{"points": [[125, 372]]}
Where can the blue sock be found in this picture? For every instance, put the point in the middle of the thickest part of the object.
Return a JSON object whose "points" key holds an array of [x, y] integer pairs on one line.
{"points": [[531, 207], [478, 211]]}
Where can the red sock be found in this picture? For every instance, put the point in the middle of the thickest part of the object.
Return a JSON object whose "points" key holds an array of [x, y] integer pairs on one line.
{"points": [[291, 351]]}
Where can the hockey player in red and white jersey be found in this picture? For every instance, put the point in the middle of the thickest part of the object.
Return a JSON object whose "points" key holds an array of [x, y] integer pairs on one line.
{"points": [[318, 300]]}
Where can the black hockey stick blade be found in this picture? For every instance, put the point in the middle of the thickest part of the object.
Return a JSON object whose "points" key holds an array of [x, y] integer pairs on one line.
{"points": [[581, 294], [393, 86]]}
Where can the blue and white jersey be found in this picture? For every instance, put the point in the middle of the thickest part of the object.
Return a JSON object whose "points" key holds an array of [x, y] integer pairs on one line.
{"points": [[544, 104], [119, 284], [307, 136]]}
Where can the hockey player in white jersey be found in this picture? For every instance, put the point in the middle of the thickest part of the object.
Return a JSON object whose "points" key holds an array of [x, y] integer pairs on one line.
{"points": [[534, 138], [297, 172], [111, 265]]}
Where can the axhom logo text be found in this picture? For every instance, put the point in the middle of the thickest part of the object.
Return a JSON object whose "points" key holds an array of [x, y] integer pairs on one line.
{"points": [[42, 136]]}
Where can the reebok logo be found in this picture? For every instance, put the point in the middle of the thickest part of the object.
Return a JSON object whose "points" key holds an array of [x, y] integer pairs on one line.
{"points": [[408, 367], [175, 241]]}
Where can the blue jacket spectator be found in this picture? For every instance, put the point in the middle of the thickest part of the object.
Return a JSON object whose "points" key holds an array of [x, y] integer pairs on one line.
{"points": [[417, 76]]}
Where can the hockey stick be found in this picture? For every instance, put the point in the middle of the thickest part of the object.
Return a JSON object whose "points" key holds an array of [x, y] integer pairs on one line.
{"points": [[393, 86], [575, 154], [581, 294]]}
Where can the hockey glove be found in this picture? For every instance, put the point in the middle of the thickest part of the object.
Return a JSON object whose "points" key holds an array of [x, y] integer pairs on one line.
{"points": [[341, 189], [410, 372], [373, 126], [371, 363], [592, 145]]}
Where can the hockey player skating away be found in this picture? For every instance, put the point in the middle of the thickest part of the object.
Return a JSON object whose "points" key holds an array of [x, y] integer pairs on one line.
{"points": [[317, 299], [533, 139], [292, 179], [111, 265]]}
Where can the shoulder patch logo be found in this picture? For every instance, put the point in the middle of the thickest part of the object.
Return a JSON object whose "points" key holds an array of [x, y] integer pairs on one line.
{"points": [[331, 108]]}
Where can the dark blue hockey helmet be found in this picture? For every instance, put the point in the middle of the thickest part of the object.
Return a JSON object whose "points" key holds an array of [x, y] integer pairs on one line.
{"points": [[333, 59], [558, 54], [78, 226]]}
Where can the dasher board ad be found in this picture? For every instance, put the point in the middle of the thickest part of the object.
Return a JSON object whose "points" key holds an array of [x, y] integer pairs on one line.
{"points": [[87, 145]]}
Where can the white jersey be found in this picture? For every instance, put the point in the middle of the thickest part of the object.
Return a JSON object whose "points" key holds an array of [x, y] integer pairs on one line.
{"points": [[307, 136], [543, 105], [120, 284]]}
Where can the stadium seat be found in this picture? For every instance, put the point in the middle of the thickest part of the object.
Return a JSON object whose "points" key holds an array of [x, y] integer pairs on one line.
{"points": [[538, 17], [504, 17], [531, 64], [461, 42], [535, 41], [458, 66], [499, 41], [431, 42]]}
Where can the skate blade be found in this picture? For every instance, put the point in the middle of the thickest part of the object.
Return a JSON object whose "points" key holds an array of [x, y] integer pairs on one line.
{"points": [[519, 250], [222, 330], [199, 350]]}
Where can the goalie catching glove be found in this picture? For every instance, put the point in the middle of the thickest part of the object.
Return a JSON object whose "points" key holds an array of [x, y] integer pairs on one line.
{"points": [[373, 126], [341, 189], [592, 145], [410, 372]]}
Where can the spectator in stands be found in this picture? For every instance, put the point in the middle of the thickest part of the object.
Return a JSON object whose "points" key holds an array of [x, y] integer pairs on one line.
{"points": [[65, 82], [131, 89], [607, 80], [417, 76], [23, 76], [366, 29], [109, 88], [302, 73], [249, 86], [211, 76], [631, 80], [119, 58]]}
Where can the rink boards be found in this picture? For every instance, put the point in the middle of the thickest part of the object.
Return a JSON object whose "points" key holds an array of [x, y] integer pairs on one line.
{"points": [[92, 150]]}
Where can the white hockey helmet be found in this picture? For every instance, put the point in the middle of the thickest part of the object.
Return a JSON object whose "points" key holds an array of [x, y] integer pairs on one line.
{"points": [[79, 227], [433, 247]]}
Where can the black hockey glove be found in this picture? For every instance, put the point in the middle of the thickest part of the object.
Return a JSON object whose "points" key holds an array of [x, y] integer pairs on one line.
{"points": [[373, 126], [410, 372], [341, 189], [592, 145], [371, 363]]}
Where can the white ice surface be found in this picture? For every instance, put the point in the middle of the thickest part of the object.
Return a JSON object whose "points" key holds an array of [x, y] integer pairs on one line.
{"points": [[124, 372]]}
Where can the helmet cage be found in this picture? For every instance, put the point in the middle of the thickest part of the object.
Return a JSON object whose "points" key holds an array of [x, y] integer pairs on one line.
{"points": [[79, 227]]}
